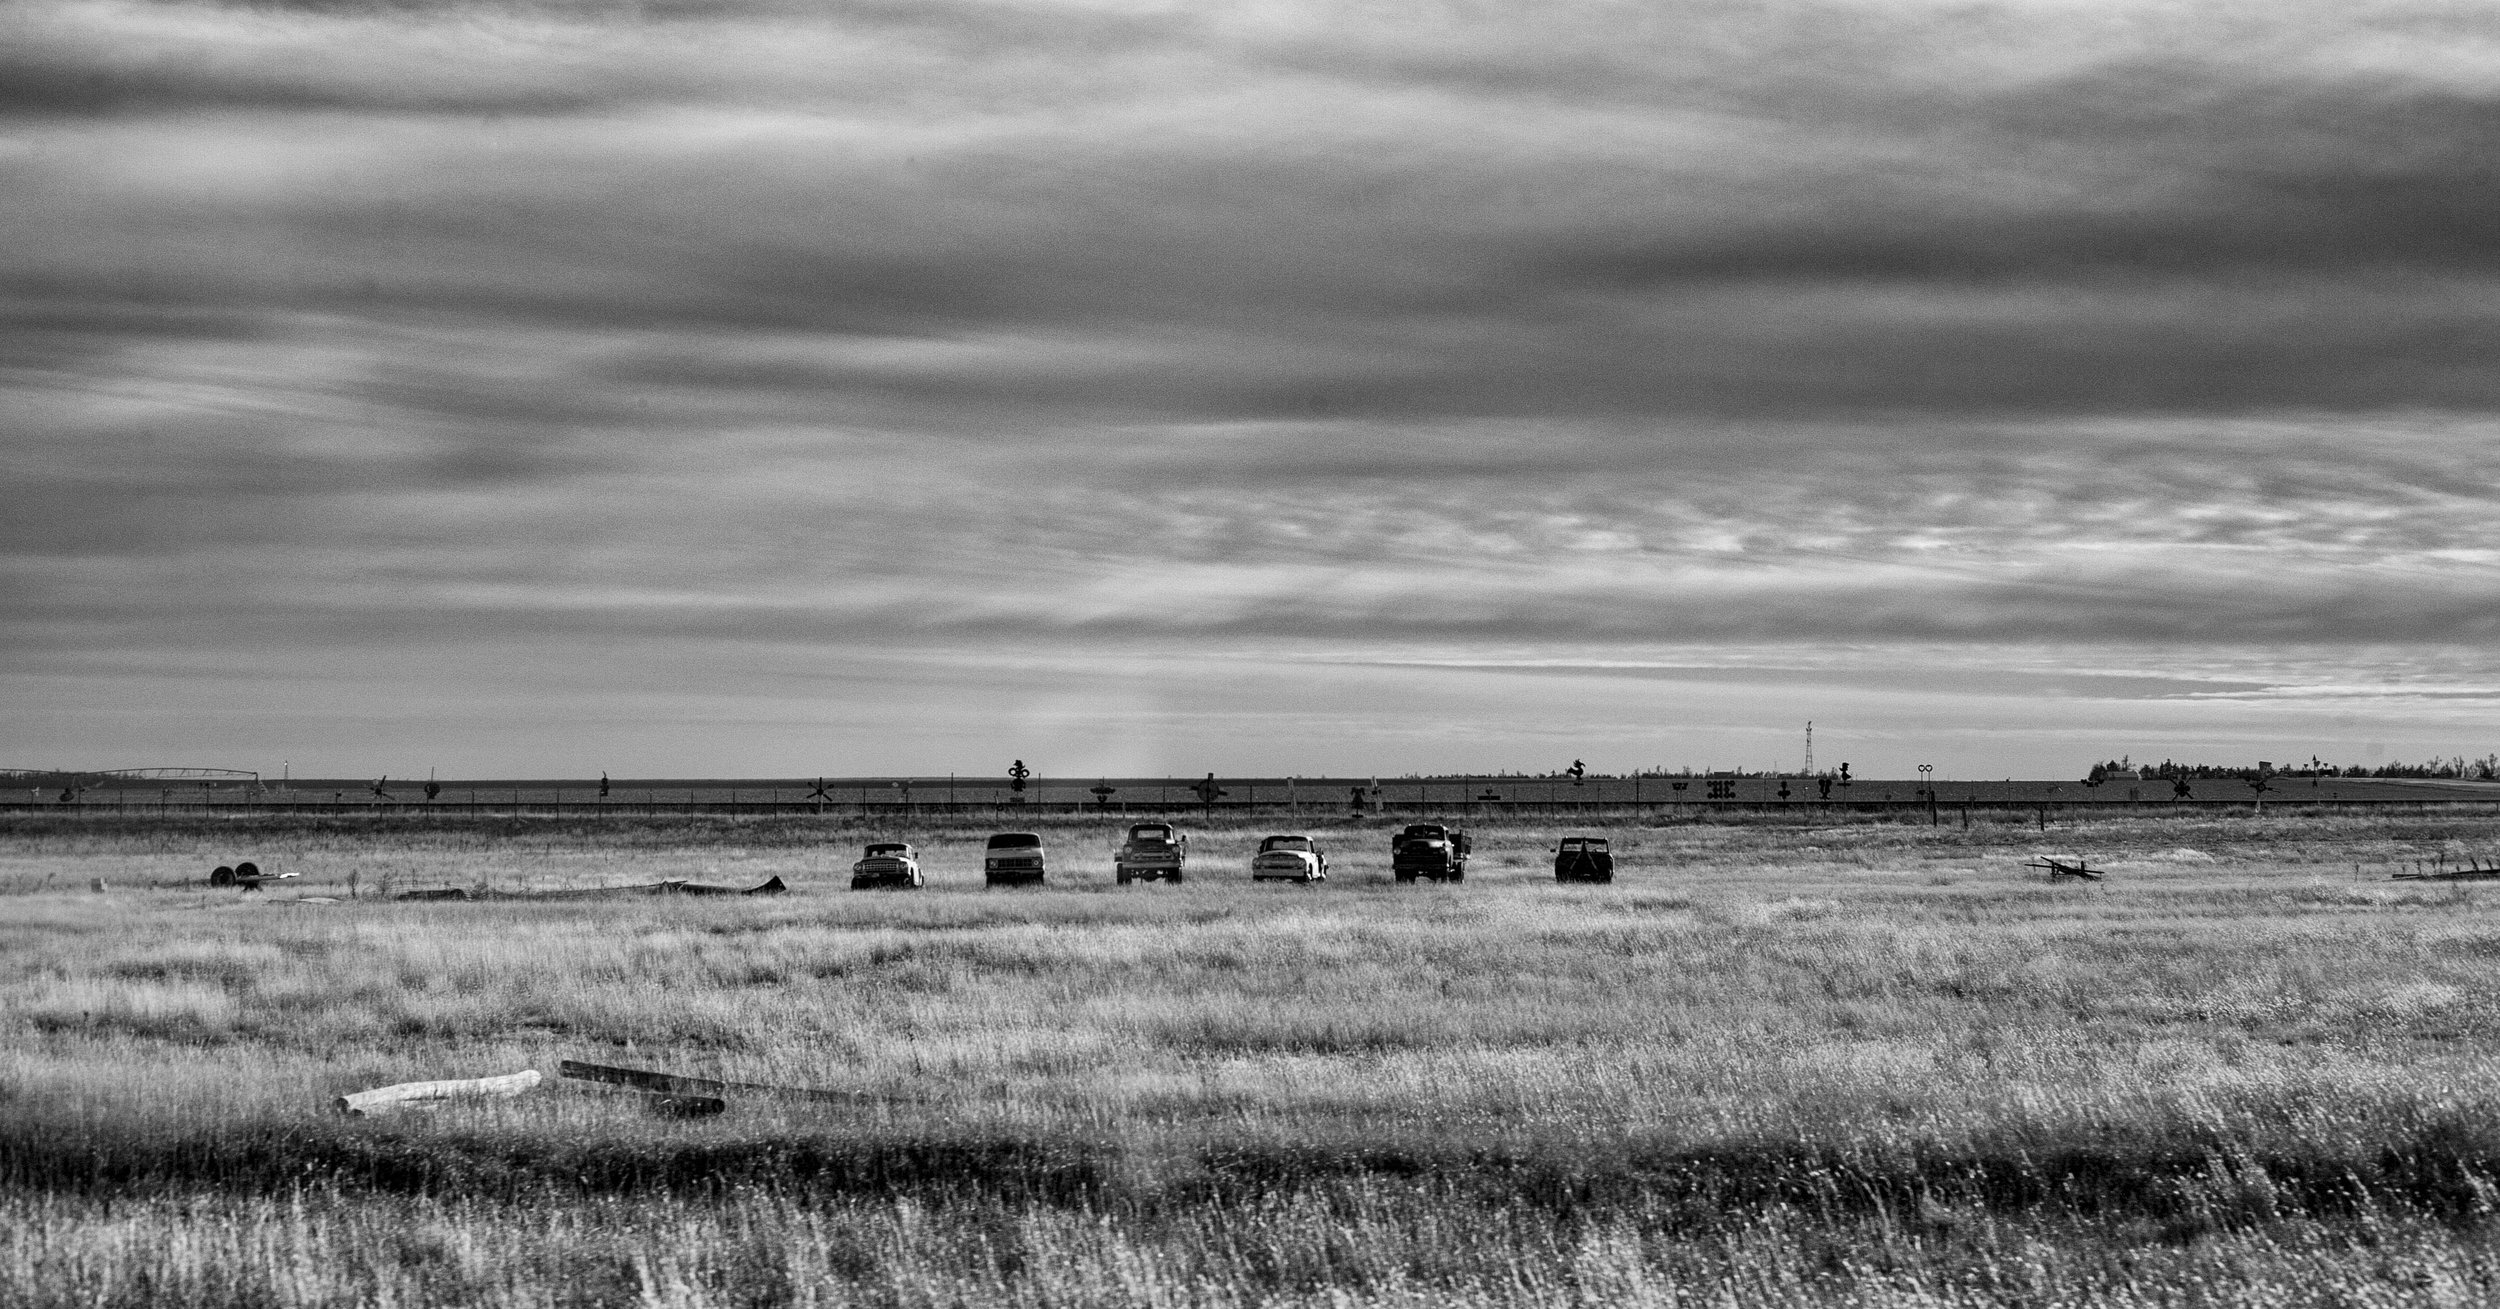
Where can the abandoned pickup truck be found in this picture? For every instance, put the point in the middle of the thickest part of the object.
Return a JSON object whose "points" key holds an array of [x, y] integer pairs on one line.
{"points": [[1013, 859], [887, 863], [1429, 850], [1289, 859], [1152, 851], [1584, 859]]}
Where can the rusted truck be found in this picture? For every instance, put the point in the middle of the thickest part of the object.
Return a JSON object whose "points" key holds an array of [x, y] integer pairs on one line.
{"points": [[1289, 859], [1584, 859], [887, 864], [1152, 852], [1434, 851]]}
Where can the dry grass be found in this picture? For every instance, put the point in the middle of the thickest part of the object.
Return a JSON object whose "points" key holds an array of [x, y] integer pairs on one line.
{"points": [[1772, 1063]]}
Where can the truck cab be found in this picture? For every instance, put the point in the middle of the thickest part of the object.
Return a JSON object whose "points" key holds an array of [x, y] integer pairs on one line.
{"points": [[1289, 859], [1429, 850], [886, 863], [1152, 851]]}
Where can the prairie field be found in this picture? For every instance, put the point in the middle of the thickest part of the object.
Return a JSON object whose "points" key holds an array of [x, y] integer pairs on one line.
{"points": [[1774, 1063]]}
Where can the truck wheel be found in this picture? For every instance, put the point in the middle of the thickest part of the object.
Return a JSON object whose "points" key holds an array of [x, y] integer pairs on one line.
{"points": [[1405, 877], [1176, 877], [1458, 874], [1122, 874]]}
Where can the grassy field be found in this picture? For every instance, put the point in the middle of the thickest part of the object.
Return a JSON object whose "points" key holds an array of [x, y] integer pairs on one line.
{"points": [[1774, 1063]]}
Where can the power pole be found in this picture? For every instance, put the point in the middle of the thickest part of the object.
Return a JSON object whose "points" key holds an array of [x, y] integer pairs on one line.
{"points": [[1809, 747]]}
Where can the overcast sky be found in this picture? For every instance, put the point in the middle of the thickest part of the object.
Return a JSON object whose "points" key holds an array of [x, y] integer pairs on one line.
{"points": [[786, 388]]}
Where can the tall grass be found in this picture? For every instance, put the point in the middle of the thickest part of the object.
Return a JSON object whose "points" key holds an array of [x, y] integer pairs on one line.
{"points": [[1770, 1064]]}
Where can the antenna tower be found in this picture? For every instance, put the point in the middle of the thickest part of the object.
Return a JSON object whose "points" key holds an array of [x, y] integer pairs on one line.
{"points": [[1809, 747]]}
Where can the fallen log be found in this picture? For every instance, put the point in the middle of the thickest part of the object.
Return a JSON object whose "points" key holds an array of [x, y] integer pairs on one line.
{"points": [[773, 887], [388, 1099], [436, 893], [672, 1084], [673, 886]]}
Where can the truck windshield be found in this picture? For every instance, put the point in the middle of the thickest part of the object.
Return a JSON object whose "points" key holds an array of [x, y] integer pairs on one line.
{"points": [[887, 849], [1014, 841]]}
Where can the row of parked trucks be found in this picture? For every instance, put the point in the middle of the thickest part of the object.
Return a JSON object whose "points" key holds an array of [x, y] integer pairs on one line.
{"points": [[1157, 852]]}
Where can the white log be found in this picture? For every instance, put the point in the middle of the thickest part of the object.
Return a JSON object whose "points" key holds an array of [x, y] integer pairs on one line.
{"points": [[384, 1099]]}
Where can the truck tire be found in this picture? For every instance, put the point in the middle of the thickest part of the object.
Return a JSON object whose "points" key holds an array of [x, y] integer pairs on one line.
{"points": [[1405, 875], [1176, 877], [1122, 874]]}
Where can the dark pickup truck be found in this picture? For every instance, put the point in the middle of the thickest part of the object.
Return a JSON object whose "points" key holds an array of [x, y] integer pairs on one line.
{"points": [[1429, 850]]}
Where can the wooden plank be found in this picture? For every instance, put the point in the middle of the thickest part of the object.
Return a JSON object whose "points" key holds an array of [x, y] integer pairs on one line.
{"points": [[388, 1099], [672, 1084]]}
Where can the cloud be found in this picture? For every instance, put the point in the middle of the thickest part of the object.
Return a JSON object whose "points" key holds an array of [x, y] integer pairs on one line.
{"points": [[348, 327]]}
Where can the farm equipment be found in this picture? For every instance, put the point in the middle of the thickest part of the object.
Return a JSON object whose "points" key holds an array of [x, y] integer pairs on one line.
{"points": [[1584, 859], [2060, 869], [246, 875], [1429, 850], [1152, 852]]}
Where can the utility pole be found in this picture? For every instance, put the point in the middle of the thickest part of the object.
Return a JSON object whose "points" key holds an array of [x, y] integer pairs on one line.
{"points": [[1809, 747]]}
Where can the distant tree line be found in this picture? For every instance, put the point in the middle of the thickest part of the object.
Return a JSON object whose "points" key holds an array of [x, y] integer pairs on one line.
{"points": [[2484, 769]]}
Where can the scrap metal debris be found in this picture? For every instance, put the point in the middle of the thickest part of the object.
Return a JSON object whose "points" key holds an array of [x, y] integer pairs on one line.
{"points": [[2474, 872], [2060, 868]]}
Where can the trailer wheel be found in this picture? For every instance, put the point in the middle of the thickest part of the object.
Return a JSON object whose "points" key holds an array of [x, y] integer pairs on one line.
{"points": [[246, 871], [224, 876]]}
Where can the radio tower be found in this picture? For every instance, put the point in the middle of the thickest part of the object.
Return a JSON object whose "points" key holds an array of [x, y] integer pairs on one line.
{"points": [[1809, 747]]}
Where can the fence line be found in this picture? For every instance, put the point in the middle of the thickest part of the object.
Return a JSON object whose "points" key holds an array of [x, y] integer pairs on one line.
{"points": [[507, 806]]}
